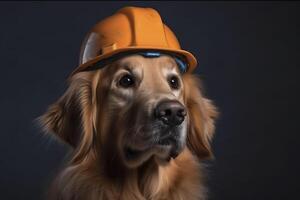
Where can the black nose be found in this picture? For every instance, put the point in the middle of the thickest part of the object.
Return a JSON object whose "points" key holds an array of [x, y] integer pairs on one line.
{"points": [[170, 112]]}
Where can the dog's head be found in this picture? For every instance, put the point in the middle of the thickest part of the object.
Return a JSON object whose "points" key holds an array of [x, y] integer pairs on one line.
{"points": [[135, 109]]}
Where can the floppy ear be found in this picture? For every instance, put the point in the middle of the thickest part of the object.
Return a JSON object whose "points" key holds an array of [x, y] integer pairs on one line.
{"points": [[202, 114], [71, 117]]}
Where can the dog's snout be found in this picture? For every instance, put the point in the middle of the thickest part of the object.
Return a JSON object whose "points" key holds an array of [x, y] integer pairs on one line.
{"points": [[170, 112]]}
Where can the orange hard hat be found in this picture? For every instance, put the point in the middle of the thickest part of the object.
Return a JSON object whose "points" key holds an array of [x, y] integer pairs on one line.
{"points": [[131, 29]]}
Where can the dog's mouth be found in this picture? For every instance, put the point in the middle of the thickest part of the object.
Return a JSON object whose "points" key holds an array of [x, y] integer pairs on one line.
{"points": [[159, 144], [167, 141], [166, 148], [132, 154]]}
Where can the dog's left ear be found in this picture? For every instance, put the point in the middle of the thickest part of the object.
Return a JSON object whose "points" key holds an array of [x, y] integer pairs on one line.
{"points": [[70, 118], [202, 114]]}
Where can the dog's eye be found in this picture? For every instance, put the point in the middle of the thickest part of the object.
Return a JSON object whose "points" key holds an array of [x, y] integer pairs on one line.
{"points": [[126, 81], [174, 82]]}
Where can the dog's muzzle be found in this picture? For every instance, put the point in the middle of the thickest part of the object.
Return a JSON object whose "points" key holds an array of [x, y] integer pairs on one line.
{"points": [[171, 114]]}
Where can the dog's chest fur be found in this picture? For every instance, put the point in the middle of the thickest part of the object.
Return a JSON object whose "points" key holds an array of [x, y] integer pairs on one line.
{"points": [[179, 180]]}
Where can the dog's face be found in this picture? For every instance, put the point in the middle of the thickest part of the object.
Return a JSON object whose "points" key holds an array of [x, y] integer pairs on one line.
{"points": [[135, 109], [146, 97]]}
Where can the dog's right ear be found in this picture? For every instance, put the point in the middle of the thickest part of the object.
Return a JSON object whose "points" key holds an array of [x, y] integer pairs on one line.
{"points": [[71, 117], [202, 114]]}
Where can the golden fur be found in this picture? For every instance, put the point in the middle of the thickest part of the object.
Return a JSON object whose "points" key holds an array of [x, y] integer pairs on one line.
{"points": [[90, 118]]}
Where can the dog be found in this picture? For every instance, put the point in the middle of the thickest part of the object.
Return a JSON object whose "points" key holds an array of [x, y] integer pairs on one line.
{"points": [[139, 129]]}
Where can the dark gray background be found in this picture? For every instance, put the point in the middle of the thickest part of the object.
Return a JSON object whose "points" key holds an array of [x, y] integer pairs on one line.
{"points": [[248, 58]]}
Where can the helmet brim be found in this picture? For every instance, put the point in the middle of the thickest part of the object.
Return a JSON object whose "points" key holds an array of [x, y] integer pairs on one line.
{"points": [[189, 57]]}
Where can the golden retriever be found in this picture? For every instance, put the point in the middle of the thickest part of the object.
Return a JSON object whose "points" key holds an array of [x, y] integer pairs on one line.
{"points": [[139, 129]]}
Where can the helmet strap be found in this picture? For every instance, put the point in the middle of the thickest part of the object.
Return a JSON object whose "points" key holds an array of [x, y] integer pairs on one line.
{"points": [[148, 54]]}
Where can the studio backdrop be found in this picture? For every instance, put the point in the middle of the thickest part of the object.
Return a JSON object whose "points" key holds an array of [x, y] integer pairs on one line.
{"points": [[248, 57]]}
